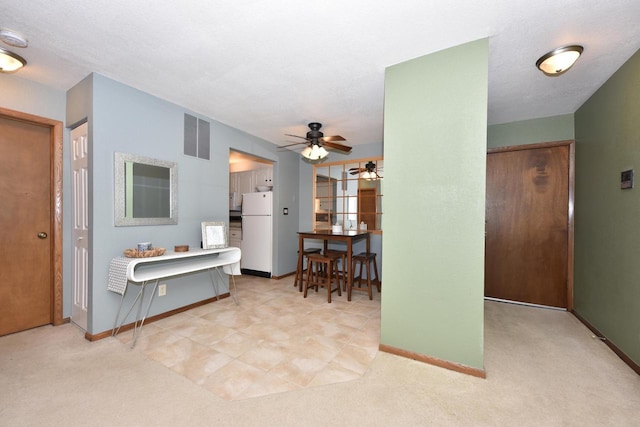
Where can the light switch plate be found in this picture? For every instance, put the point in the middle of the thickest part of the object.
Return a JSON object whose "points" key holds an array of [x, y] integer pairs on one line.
{"points": [[626, 179]]}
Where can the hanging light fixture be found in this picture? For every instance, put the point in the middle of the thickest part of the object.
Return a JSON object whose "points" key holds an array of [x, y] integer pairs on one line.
{"points": [[10, 62], [559, 60], [314, 152]]}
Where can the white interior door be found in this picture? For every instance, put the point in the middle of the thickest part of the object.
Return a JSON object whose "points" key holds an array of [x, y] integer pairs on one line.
{"points": [[80, 220]]}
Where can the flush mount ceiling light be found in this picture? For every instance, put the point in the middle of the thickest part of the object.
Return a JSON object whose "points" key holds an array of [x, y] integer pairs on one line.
{"points": [[559, 60], [10, 62]]}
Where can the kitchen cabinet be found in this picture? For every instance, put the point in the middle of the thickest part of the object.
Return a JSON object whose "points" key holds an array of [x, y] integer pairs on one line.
{"points": [[233, 182], [235, 238], [246, 183], [264, 176]]}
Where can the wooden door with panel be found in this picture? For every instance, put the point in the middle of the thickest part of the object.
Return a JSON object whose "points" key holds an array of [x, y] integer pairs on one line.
{"points": [[528, 241]]}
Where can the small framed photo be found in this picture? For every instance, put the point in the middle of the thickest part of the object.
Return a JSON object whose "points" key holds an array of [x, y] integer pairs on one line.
{"points": [[214, 235]]}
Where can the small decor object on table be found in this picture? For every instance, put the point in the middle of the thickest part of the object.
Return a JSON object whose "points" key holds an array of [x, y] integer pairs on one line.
{"points": [[181, 248], [144, 246], [214, 235], [134, 253]]}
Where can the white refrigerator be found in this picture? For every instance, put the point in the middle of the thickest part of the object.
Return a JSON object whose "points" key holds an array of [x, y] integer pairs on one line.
{"points": [[257, 233]]}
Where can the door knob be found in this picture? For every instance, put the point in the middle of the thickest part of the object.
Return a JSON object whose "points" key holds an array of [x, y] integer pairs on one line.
{"points": [[42, 235]]}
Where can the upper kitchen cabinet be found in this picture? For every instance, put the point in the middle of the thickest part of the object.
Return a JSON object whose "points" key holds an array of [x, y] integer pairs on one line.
{"points": [[264, 176], [246, 182]]}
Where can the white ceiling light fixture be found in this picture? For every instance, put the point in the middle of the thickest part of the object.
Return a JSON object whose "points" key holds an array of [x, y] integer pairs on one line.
{"points": [[314, 152], [370, 173], [559, 60], [10, 62]]}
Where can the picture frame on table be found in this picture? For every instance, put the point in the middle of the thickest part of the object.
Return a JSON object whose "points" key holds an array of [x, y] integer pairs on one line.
{"points": [[214, 235]]}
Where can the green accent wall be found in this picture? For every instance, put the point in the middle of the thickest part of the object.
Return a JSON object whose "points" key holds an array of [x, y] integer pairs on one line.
{"points": [[607, 219], [435, 159], [546, 129]]}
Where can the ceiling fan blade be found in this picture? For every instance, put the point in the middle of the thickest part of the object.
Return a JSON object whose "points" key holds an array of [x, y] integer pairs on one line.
{"points": [[336, 146], [333, 138], [291, 145], [297, 136]]}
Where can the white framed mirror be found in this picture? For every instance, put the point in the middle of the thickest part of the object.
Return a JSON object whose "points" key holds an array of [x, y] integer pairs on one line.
{"points": [[146, 191]]}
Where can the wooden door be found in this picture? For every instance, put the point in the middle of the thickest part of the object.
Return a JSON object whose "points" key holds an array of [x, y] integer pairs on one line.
{"points": [[367, 207], [528, 227], [25, 220]]}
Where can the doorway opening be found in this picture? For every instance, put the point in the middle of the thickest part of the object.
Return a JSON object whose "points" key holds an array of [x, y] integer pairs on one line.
{"points": [[251, 183]]}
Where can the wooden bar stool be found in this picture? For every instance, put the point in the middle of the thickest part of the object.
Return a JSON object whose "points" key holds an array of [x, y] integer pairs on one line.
{"points": [[322, 271], [300, 271], [365, 259], [342, 257]]}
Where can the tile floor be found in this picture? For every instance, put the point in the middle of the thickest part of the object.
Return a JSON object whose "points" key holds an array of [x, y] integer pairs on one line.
{"points": [[273, 341]]}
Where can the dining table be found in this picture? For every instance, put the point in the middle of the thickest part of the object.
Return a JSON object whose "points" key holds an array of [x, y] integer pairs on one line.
{"points": [[347, 236]]}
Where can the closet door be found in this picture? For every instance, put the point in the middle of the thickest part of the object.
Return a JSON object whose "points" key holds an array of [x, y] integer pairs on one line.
{"points": [[80, 220], [528, 229]]}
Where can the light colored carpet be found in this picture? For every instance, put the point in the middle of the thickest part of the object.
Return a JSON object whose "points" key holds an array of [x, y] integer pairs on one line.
{"points": [[543, 367]]}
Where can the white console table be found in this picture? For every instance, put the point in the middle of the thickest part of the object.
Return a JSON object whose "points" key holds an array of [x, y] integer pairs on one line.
{"points": [[143, 271]]}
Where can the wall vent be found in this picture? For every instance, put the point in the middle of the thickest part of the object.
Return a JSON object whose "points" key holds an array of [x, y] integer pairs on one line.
{"points": [[197, 134]]}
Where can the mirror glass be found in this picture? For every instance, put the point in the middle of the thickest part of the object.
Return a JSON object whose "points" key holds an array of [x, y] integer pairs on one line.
{"points": [[145, 191], [348, 194]]}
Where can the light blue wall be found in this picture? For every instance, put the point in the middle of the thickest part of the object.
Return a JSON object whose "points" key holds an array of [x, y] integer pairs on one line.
{"points": [[33, 98], [288, 186], [123, 119], [435, 170]]}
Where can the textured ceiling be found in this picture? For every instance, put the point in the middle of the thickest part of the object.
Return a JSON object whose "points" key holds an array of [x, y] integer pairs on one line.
{"points": [[269, 68]]}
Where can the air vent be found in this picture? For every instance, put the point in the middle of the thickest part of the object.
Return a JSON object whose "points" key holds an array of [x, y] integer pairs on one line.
{"points": [[197, 134]]}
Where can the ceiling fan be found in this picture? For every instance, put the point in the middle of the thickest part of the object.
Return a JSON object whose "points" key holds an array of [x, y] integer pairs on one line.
{"points": [[316, 143], [368, 172]]}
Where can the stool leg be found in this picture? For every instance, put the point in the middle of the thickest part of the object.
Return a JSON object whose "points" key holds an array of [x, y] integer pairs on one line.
{"points": [[306, 284], [329, 280], [350, 284], [375, 269], [317, 276], [344, 272], [298, 282], [369, 279], [338, 280]]}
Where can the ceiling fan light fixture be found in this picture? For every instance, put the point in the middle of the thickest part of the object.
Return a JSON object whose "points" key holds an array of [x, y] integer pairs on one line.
{"points": [[10, 62], [370, 173], [314, 152], [559, 60]]}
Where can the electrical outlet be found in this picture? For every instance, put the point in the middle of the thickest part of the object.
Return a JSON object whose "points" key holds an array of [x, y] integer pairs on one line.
{"points": [[162, 290]]}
